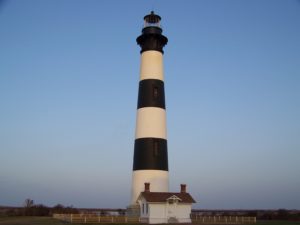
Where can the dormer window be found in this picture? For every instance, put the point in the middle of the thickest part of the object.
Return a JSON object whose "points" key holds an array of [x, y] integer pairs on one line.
{"points": [[173, 200]]}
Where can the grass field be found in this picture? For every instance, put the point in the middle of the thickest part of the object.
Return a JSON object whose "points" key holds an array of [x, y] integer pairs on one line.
{"points": [[51, 221], [28, 220], [278, 222]]}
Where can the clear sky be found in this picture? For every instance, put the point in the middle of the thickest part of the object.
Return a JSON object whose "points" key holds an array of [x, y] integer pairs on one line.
{"points": [[69, 73]]}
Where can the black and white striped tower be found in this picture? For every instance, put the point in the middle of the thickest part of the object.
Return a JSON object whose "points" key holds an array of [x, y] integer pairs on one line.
{"points": [[150, 162]]}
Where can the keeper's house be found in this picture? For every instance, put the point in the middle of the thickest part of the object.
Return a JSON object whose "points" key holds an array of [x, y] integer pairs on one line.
{"points": [[165, 207]]}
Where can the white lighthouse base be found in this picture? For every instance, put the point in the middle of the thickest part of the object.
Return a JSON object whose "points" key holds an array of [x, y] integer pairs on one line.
{"points": [[158, 179]]}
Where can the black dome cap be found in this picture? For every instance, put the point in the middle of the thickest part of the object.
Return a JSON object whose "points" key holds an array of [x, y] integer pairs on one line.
{"points": [[152, 18]]}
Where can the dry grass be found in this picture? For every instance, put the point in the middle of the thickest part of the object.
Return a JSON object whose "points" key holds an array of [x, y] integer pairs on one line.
{"points": [[271, 222], [28, 220], [35, 220]]}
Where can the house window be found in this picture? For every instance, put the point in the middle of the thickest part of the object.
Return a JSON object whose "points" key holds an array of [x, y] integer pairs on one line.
{"points": [[143, 208], [147, 208]]}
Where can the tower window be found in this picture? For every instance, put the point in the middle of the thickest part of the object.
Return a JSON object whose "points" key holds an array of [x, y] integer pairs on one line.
{"points": [[155, 92], [155, 148]]}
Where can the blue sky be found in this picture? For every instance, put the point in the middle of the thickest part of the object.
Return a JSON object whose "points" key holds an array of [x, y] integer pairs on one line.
{"points": [[69, 73]]}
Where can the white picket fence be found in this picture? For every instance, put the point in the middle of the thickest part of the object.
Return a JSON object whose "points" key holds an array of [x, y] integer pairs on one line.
{"points": [[223, 219], [196, 219], [93, 218]]}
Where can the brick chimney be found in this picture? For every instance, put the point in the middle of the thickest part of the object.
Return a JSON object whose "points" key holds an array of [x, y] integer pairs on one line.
{"points": [[183, 188], [147, 187]]}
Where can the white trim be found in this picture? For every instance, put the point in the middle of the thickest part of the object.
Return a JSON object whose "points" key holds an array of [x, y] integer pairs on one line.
{"points": [[173, 197]]}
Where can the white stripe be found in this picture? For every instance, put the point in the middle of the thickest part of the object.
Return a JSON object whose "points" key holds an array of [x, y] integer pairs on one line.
{"points": [[158, 179], [151, 122], [151, 65]]}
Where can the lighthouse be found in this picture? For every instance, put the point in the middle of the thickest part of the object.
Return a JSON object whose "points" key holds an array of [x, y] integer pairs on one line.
{"points": [[150, 161], [151, 200]]}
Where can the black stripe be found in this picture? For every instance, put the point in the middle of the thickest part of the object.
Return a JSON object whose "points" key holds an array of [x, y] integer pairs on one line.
{"points": [[152, 39], [150, 154], [151, 94]]}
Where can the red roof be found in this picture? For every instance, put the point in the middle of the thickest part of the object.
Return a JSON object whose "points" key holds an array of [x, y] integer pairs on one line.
{"points": [[164, 196]]}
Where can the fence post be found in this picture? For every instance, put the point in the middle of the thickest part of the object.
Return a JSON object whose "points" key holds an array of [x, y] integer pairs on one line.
{"points": [[71, 218], [84, 219], [112, 219]]}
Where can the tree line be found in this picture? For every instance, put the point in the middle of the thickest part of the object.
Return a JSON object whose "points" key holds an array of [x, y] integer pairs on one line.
{"points": [[31, 209]]}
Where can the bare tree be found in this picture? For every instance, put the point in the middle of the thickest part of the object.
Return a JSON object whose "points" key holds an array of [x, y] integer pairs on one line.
{"points": [[28, 203]]}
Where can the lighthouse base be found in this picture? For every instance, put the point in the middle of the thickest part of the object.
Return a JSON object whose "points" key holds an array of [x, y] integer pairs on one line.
{"points": [[133, 211], [159, 180]]}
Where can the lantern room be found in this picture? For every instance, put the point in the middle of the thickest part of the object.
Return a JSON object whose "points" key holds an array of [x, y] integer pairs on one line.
{"points": [[152, 20]]}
